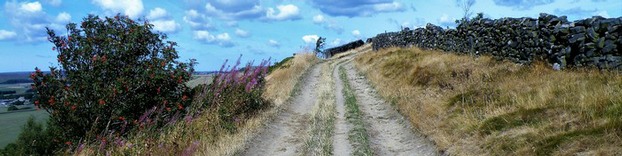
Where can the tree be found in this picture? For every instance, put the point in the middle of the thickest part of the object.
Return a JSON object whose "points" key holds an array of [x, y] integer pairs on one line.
{"points": [[111, 70], [319, 45], [466, 5], [33, 140]]}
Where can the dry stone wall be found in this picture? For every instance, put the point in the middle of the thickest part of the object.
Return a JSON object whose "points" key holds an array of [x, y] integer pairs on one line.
{"points": [[343, 48], [595, 41]]}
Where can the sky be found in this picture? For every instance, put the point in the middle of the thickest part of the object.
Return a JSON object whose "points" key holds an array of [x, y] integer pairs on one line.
{"points": [[212, 31]]}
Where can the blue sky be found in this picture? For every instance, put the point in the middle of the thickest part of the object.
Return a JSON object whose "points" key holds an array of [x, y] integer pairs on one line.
{"points": [[214, 30]]}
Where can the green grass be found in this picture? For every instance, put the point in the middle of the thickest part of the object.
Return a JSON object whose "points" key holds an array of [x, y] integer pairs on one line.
{"points": [[12, 124], [357, 135], [200, 79]]}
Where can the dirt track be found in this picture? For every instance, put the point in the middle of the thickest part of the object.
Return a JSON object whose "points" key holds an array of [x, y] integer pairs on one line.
{"points": [[388, 132]]}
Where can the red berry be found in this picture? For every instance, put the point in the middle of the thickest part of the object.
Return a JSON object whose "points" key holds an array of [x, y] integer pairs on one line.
{"points": [[102, 102]]}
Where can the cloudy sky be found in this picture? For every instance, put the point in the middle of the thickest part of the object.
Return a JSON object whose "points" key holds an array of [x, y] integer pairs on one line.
{"points": [[214, 30]]}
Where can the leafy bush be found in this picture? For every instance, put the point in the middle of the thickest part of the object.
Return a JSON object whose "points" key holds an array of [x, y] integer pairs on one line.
{"points": [[111, 71], [33, 140]]}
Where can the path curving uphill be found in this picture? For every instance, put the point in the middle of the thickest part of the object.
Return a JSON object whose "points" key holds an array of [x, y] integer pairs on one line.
{"points": [[382, 129]]}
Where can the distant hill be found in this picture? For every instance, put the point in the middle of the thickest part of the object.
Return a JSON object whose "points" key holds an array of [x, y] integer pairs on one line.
{"points": [[15, 77]]}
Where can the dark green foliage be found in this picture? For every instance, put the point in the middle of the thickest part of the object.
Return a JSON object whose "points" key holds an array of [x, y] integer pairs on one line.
{"points": [[111, 71], [12, 108], [33, 140]]}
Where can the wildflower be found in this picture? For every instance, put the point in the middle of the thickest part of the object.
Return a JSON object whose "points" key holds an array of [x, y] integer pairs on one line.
{"points": [[73, 107], [102, 102], [121, 118], [68, 143], [184, 98], [179, 106]]}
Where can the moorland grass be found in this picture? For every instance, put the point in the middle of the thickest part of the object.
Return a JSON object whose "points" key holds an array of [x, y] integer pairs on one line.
{"points": [[482, 106]]}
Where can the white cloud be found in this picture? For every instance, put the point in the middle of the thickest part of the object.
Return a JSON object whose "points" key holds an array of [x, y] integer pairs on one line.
{"points": [[223, 37], [445, 21], [157, 13], [353, 8], [223, 40], [131, 8], [327, 23], [6, 35], [317, 19], [336, 42], [310, 38], [242, 33], [388, 7], [286, 12], [231, 10], [31, 7], [356, 33], [604, 14], [273, 43], [63, 17], [28, 20], [54, 2], [162, 21], [198, 21], [167, 26]]}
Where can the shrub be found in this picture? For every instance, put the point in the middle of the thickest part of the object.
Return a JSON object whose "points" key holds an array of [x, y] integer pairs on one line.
{"points": [[111, 70], [12, 108], [33, 140]]}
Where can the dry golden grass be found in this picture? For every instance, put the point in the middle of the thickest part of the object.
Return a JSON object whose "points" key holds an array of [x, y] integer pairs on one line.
{"points": [[281, 82], [204, 136], [319, 138], [480, 106]]}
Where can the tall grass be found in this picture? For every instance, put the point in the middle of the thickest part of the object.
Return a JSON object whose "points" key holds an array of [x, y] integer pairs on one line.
{"points": [[219, 109], [481, 106]]}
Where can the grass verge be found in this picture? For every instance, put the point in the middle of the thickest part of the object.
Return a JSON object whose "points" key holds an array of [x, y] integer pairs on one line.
{"points": [[205, 135], [482, 106], [358, 135], [319, 139]]}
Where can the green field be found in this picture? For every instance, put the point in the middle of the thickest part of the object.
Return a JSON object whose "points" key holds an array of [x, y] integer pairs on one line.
{"points": [[200, 79], [12, 124]]}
